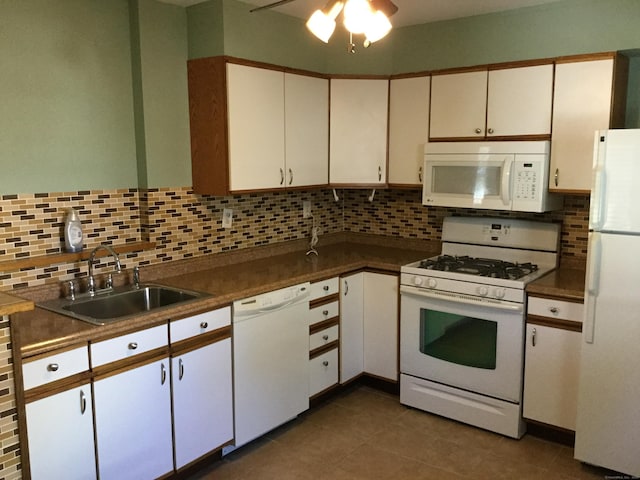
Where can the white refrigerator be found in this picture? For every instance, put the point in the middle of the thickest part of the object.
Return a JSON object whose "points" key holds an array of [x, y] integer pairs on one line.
{"points": [[608, 421]]}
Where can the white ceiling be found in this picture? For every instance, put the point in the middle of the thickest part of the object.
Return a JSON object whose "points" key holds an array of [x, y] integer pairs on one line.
{"points": [[410, 12]]}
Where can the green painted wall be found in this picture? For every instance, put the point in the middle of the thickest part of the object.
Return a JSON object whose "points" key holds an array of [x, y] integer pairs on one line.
{"points": [[205, 29], [66, 96], [166, 159], [562, 28]]}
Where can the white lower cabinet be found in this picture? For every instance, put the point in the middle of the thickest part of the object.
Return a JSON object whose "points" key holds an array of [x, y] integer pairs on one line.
{"points": [[323, 371], [60, 435], [369, 326], [133, 423], [552, 362], [202, 401]]}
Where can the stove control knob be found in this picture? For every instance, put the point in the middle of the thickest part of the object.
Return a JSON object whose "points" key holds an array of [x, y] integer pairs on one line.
{"points": [[432, 283], [417, 280], [499, 292], [483, 291]]}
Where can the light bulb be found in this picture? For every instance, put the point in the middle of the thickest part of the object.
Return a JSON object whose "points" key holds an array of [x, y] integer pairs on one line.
{"points": [[377, 27], [357, 15], [321, 25]]}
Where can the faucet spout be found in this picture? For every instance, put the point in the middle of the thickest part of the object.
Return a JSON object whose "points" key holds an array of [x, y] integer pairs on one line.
{"points": [[92, 256]]}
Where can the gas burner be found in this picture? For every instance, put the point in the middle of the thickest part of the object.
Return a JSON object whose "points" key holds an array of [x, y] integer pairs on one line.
{"points": [[484, 267]]}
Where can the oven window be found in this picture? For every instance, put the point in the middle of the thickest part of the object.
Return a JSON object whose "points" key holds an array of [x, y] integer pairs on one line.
{"points": [[458, 339]]}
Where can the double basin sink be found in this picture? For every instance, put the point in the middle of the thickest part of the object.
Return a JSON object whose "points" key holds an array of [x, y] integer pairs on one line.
{"points": [[121, 303]]}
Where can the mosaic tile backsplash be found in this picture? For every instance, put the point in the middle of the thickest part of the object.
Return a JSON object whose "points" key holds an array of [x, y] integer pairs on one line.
{"points": [[185, 225]]}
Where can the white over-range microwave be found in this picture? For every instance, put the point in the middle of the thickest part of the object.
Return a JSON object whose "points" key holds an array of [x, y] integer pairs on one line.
{"points": [[489, 175]]}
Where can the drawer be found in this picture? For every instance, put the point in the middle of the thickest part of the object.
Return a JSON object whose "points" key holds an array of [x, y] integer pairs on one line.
{"points": [[126, 346], [323, 312], [199, 324], [551, 308], [321, 338], [323, 372], [54, 367], [324, 288]]}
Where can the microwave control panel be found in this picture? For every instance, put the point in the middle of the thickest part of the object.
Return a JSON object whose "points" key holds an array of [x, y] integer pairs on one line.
{"points": [[527, 181]]}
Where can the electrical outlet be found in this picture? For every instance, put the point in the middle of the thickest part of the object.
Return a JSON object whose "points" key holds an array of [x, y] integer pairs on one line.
{"points": [[227, 218], [306, 208]]}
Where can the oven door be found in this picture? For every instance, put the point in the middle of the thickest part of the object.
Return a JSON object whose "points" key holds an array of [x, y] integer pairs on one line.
{"points": [[468, 180], [463, 342]]}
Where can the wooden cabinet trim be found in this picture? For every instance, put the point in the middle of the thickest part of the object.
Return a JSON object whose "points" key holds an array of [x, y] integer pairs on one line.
{"points": [[324, 300], [556, 297], [318, 327], [194, 343], [323, 349], [555, 323], [55, 387], [586, 57], [40, 356], [121, 366]]}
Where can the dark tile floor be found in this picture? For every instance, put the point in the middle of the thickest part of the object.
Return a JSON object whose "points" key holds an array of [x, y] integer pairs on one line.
{"points": [[365, 434]]}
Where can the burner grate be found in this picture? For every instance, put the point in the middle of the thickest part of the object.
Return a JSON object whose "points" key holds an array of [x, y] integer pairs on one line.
{"points": [[484, 267]]}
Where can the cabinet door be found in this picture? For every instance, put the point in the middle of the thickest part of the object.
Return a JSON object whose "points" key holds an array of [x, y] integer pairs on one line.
{"points": [[306, 102], [581, 105], [408, 129], [133, 423], [256, 127], [552, 367], [202, 401], [458, 105], [60, 436], [358, 140], [351, 326], [381, 325], [519, 101]]}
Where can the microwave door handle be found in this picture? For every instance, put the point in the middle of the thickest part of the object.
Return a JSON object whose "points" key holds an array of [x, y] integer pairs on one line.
{"points": [[505, 189]]}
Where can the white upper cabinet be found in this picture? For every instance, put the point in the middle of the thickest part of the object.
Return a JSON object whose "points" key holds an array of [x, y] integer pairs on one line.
{"points": [[519, 101], [358, 131], [306, 101], [256, 128], [586, 98], [408, 129], [458, 105], [509, 102]]}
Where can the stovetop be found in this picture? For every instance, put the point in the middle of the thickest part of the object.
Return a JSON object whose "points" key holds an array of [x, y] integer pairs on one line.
{"points": [[484, 267]]}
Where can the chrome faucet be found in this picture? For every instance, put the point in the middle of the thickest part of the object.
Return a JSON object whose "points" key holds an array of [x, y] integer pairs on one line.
{"points": [[92, 281]]}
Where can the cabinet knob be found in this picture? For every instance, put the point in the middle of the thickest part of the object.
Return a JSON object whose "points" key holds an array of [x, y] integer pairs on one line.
{"points": [[478, 131], [325, 363], [133, 346], [326, 288], [325, 312], [325, 337], [204, 325], [53, 367], [554, 310], [490, 130]]}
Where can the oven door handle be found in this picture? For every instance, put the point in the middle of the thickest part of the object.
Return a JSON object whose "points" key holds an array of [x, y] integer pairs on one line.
{"points": [[460, 298]]}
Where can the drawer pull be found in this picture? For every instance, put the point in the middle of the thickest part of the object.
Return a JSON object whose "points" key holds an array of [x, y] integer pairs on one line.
{"points": [[53, 367], [554, 310], [325, 337], [533, 337], [163, 374], [326, 288], [133, 346], [325, 363], [325, 312], [204, 325], [180, 369]]}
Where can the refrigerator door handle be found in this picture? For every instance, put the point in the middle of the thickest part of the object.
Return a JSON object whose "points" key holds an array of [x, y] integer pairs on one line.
{"points": [[593, 286], [597, 208]]}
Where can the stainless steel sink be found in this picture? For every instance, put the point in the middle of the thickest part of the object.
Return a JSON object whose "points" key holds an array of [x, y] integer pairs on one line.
{"points": [[121, 303]]}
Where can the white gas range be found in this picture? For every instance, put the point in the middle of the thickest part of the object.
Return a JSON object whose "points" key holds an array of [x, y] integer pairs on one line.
{"points": [[463, 320]]}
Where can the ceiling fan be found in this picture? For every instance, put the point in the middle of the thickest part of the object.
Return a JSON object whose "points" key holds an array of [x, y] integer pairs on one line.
{"points": [[368, 17]]}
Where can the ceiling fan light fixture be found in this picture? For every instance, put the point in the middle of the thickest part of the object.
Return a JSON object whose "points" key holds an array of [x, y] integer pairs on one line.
{"points": [[357, 15], [322, 23], [377, 27]]}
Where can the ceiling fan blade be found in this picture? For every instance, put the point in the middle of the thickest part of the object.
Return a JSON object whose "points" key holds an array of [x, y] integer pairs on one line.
{"points": [[386, 6], [271, 5]]}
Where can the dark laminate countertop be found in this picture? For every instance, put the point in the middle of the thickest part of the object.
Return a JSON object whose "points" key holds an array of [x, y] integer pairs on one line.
{"points": [[40, 331], [564, 282], [10, 304]]}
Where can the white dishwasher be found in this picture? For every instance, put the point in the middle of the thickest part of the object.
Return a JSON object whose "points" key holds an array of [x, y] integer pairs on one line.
{"points": [[270, 361]]}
